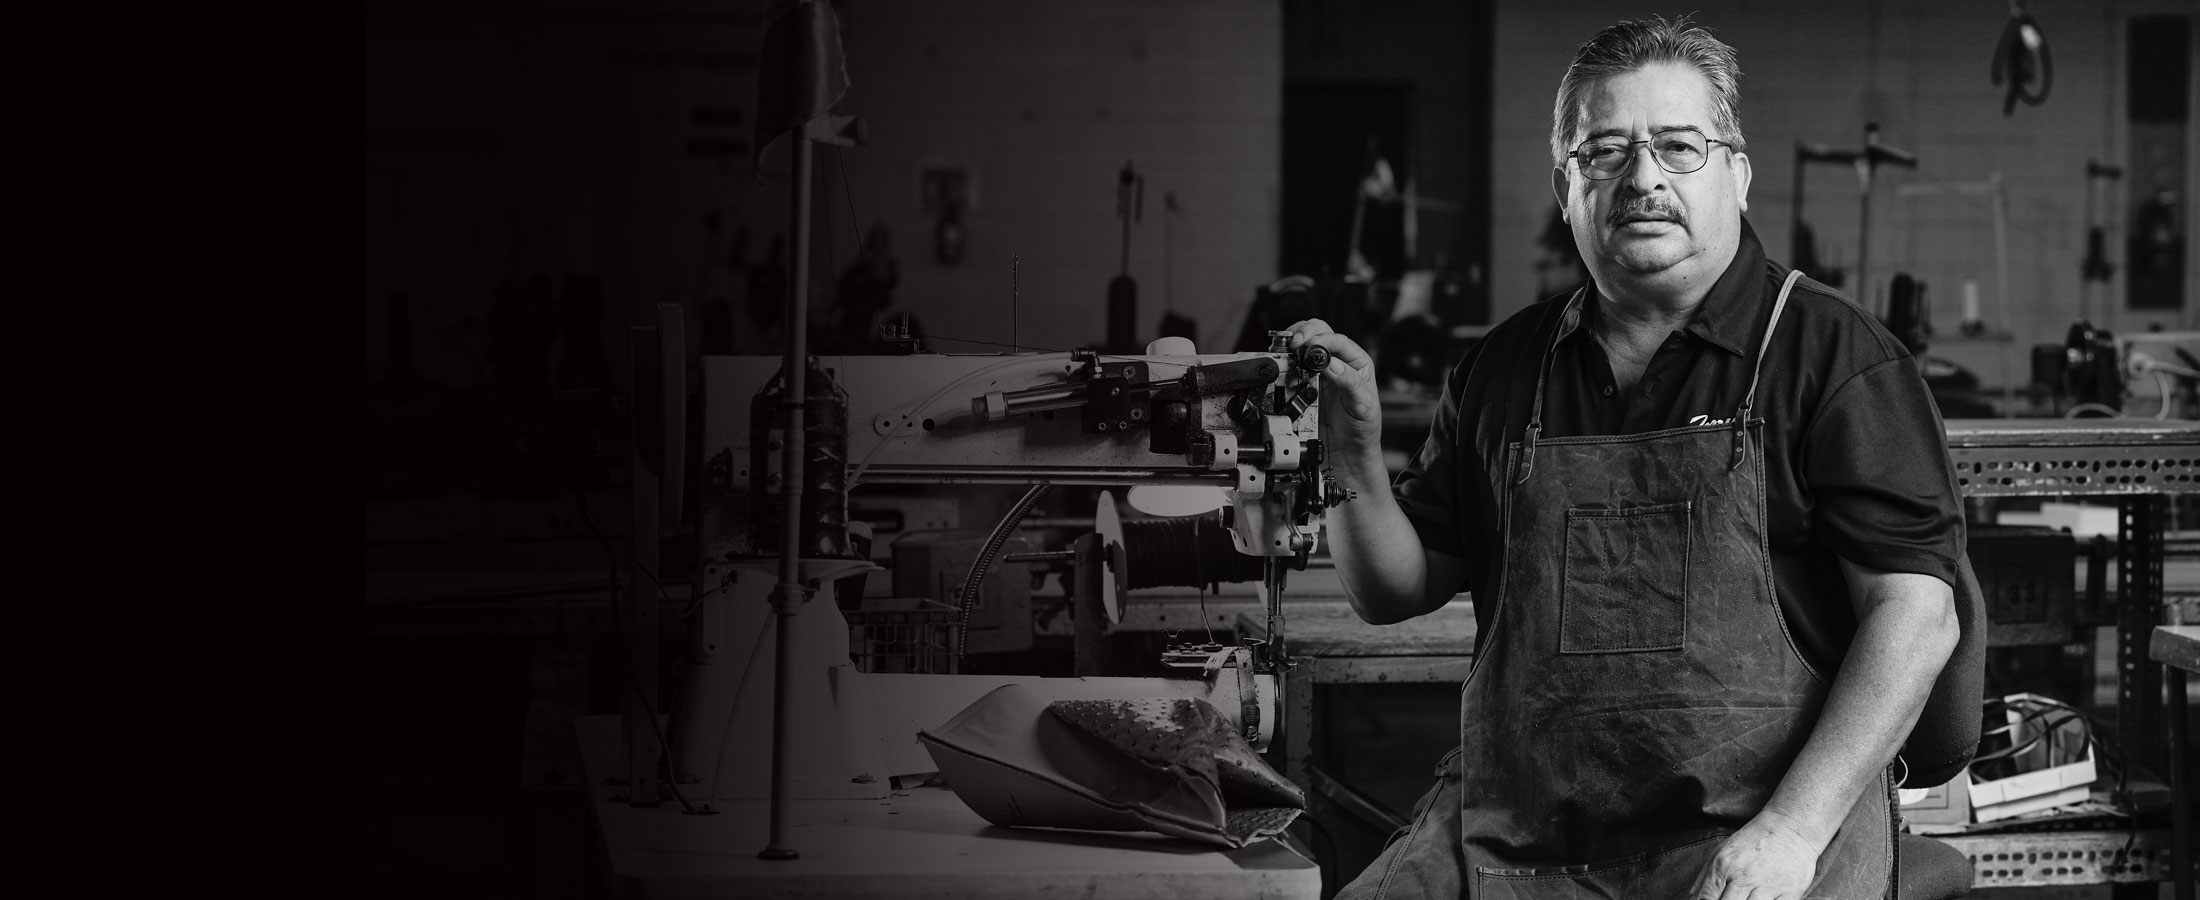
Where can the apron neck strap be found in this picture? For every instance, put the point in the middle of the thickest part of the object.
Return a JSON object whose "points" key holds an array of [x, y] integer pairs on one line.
{"points": [[1573, 308], [1550, 350], [1749, 400], [1542, 376], [1741, 416]]}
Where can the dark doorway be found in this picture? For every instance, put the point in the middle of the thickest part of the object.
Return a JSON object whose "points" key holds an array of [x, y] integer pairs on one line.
{"points": [[1412, 80], [2159, 235], [1332, 133]]}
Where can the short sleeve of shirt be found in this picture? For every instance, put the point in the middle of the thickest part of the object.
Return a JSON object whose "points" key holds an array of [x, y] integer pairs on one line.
{"points": [[1428, 489], [1876, 463]]}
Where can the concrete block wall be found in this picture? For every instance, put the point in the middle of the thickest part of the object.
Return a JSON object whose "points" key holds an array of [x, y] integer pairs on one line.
{"points": [[505, 145], [1815, 73], [1045, 102], [472, 176]]}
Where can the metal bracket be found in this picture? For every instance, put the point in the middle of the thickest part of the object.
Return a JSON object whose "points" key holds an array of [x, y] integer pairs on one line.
{"points": [[775, 442], [2138, 610]]}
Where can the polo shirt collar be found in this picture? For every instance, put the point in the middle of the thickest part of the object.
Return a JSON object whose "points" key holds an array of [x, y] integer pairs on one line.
{"points": [[1727, 317]]}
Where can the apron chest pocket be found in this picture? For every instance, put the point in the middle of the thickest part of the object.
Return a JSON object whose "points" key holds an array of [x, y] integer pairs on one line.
{"points": [[1624, 584]]}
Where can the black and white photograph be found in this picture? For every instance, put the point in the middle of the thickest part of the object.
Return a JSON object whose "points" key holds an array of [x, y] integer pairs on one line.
{"points": [[1282, 449]]}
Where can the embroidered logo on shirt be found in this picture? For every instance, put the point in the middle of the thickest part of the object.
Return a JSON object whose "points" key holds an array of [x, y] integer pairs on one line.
{"points": [[1707, 420]]}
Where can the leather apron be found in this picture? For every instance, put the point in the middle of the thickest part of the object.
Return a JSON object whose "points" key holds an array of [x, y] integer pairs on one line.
{"points": [[1638, 697]]}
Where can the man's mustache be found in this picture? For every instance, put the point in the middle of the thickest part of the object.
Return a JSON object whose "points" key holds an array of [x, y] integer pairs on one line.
{"points": [[1644, 207]]}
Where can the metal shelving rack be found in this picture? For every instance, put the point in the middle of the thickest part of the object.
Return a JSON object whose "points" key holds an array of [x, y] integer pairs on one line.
{"points": [[2140, 463]]}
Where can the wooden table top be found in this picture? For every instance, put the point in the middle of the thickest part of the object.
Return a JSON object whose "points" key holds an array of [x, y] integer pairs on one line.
{"points": [[1330, 629], [2176, 645]]}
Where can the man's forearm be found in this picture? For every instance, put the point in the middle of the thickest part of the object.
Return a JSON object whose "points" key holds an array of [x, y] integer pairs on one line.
{"points": [[1379, 558], [1902, 640]]}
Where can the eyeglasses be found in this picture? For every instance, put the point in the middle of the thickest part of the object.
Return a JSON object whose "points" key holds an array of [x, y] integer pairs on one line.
{"points": [[1677, 150]]}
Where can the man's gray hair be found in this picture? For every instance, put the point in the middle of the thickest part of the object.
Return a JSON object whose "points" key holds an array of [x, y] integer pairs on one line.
{"points": [[1637, 43]]}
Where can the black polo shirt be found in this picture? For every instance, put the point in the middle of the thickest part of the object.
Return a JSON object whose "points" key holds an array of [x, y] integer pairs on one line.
{"points": [[1856, 461]]}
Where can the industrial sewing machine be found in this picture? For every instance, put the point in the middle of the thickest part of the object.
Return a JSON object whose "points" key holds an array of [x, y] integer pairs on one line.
{"points": [[1242, 422]]}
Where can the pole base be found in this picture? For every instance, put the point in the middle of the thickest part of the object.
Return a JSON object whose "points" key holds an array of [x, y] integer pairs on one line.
{"points": [[776, 852]]}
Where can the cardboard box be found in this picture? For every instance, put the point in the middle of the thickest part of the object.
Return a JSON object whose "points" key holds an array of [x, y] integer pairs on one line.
{"points": [[1938, 809], [2056, 771]]}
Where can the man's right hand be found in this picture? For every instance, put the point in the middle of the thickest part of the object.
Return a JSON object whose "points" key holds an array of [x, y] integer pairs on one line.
{"points": [[1387, 575], [1352, 410]]}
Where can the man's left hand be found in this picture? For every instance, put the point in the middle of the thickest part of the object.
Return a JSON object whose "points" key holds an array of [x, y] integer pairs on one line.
{"points": [[1769, 859]]}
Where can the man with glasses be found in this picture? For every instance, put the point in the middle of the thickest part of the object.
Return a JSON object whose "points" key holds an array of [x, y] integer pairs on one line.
{"points": [[1706, 515]]}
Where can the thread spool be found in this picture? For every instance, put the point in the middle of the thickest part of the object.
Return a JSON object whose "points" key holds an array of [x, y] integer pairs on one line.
{"points": [[1186, 551], [1176, 551]]}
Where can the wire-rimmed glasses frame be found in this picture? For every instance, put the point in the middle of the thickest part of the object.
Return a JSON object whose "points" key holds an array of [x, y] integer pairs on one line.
{"points": [[1679, 151]]}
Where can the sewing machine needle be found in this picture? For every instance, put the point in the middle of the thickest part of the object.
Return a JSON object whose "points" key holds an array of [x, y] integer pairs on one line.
{"points": [[1273, 574]]}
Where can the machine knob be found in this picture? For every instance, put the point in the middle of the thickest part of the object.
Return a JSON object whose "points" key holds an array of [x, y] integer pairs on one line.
{"points": [[1314, 358], [1336, 496]]}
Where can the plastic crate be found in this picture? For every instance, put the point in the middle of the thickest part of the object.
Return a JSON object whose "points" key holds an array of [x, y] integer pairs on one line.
{"points": [[2029, 577], [920, 639]]}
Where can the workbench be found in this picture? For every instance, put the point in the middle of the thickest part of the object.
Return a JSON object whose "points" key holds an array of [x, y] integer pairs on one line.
{"points": [[918, 843], [1331, 644]]}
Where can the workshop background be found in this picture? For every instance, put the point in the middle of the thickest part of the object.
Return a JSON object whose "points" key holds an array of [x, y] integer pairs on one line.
{"points": [[539, 177]]}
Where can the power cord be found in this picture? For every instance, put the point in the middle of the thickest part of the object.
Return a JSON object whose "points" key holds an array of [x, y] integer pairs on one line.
{"points": [[633, 679], [654, 581]]}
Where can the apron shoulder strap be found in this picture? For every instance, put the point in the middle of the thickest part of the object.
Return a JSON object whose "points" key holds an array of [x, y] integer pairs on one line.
{"points": [[1542, 374], [1749, 401], [1570, 307]]}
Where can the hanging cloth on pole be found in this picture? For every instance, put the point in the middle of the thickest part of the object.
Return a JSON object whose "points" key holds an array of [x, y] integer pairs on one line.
{"points": [[802, 75], [2022, 61]]}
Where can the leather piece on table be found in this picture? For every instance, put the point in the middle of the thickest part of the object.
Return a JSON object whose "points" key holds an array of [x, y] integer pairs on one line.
{"points": [[1173, 765]]}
